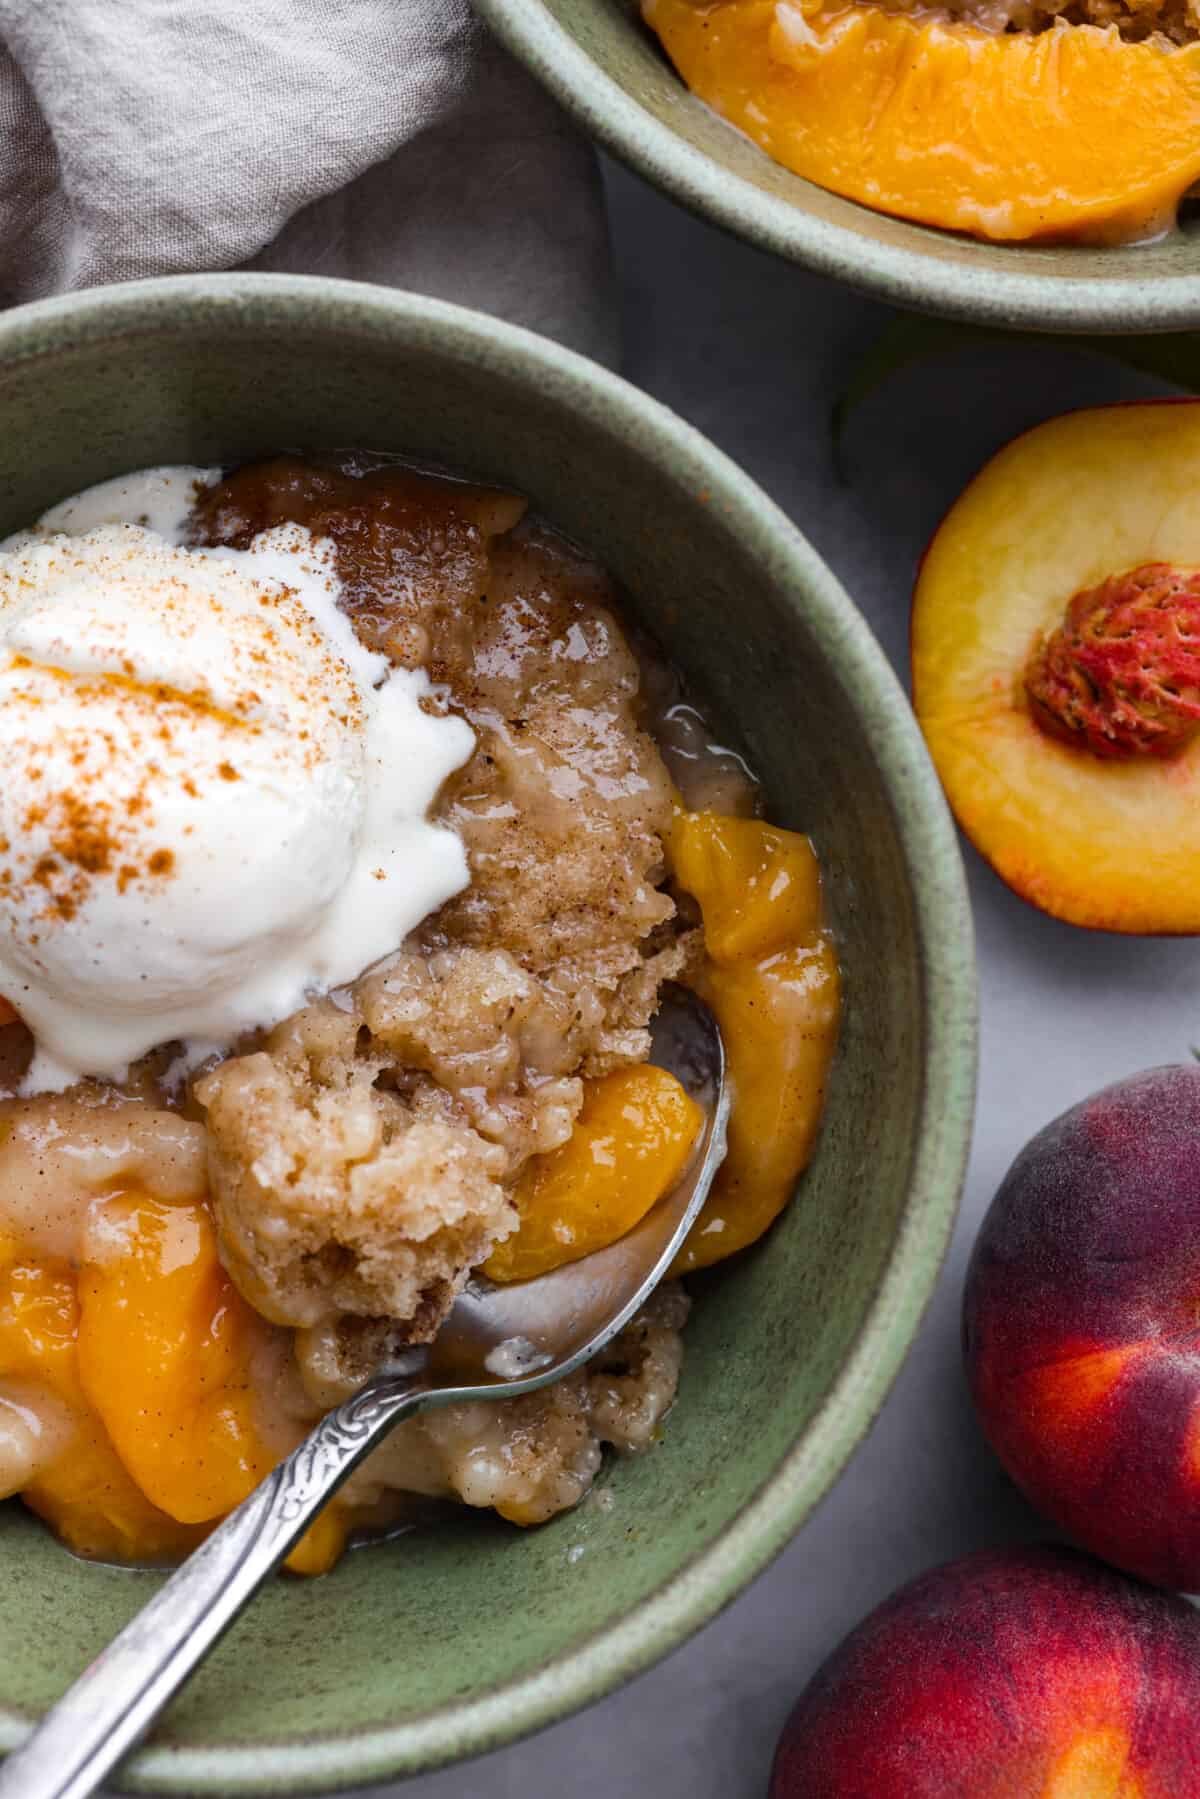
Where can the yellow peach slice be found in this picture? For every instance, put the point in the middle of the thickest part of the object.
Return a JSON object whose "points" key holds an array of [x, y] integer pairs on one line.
{"points": [[771, 978], [631, 1143], [779, 1021], [759, 887], [83, 1490], [165, 1350], [164, 1344]]}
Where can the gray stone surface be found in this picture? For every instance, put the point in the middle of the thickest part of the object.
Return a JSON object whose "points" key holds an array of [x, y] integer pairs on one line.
{"points": [[754, 352]]}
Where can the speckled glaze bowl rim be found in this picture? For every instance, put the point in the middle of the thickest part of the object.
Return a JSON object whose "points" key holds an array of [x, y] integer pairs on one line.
{"points": [[973, 291], [714, 1576]]}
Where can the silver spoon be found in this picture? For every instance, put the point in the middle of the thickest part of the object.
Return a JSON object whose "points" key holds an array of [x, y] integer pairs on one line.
{"points": [[496, 1343]]}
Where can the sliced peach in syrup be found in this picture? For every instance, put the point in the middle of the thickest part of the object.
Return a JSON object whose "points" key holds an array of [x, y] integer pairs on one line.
{"points": [[1066, 134], [82, 1488], [166, 1345], [164, 1351], [630, 1145], [779, 1021], [1056, 665], [759, 887], [771, 978]]}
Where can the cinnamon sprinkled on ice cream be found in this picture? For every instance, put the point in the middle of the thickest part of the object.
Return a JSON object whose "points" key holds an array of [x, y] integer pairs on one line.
{"points": [[213, 798]]}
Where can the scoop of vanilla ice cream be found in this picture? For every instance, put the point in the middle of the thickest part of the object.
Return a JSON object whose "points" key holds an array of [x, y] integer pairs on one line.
{"points": [[213, 799]]}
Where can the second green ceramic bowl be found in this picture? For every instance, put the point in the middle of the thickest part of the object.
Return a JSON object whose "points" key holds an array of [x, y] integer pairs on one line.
{"points": [[447, 1643], [608, 70]]}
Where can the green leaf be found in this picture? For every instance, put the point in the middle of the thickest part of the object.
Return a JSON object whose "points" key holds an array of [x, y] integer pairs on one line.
{"points": [[907, 341]]}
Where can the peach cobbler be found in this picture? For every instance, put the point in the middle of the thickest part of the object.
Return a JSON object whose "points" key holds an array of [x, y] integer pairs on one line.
{"points": [[347, 838]]}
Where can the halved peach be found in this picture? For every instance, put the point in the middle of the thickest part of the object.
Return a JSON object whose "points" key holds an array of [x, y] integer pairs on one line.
{"points": [[1056, 665], [1069, 134]]}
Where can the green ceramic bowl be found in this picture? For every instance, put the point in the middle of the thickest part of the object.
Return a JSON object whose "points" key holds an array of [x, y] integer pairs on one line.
{"points": [[609, 71], [446, 1644]]}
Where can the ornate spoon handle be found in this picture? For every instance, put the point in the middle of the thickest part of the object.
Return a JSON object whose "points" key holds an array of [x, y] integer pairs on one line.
{"points": [[114, 1702]]}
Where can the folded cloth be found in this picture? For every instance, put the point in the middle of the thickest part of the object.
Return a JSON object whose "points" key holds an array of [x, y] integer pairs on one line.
{"points": [[390, 140]]}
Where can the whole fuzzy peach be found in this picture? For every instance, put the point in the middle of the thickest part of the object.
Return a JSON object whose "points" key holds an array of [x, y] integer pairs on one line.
{"points": [[1012, 1674], [1081, 1324]]}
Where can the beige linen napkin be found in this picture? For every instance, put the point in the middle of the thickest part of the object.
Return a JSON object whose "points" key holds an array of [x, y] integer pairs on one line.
{"points": [[389, 140]]}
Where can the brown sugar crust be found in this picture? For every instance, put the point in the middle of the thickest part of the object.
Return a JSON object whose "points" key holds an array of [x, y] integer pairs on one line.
{"points": [[361, 1157], [531, 1457], [1166, 22]]}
